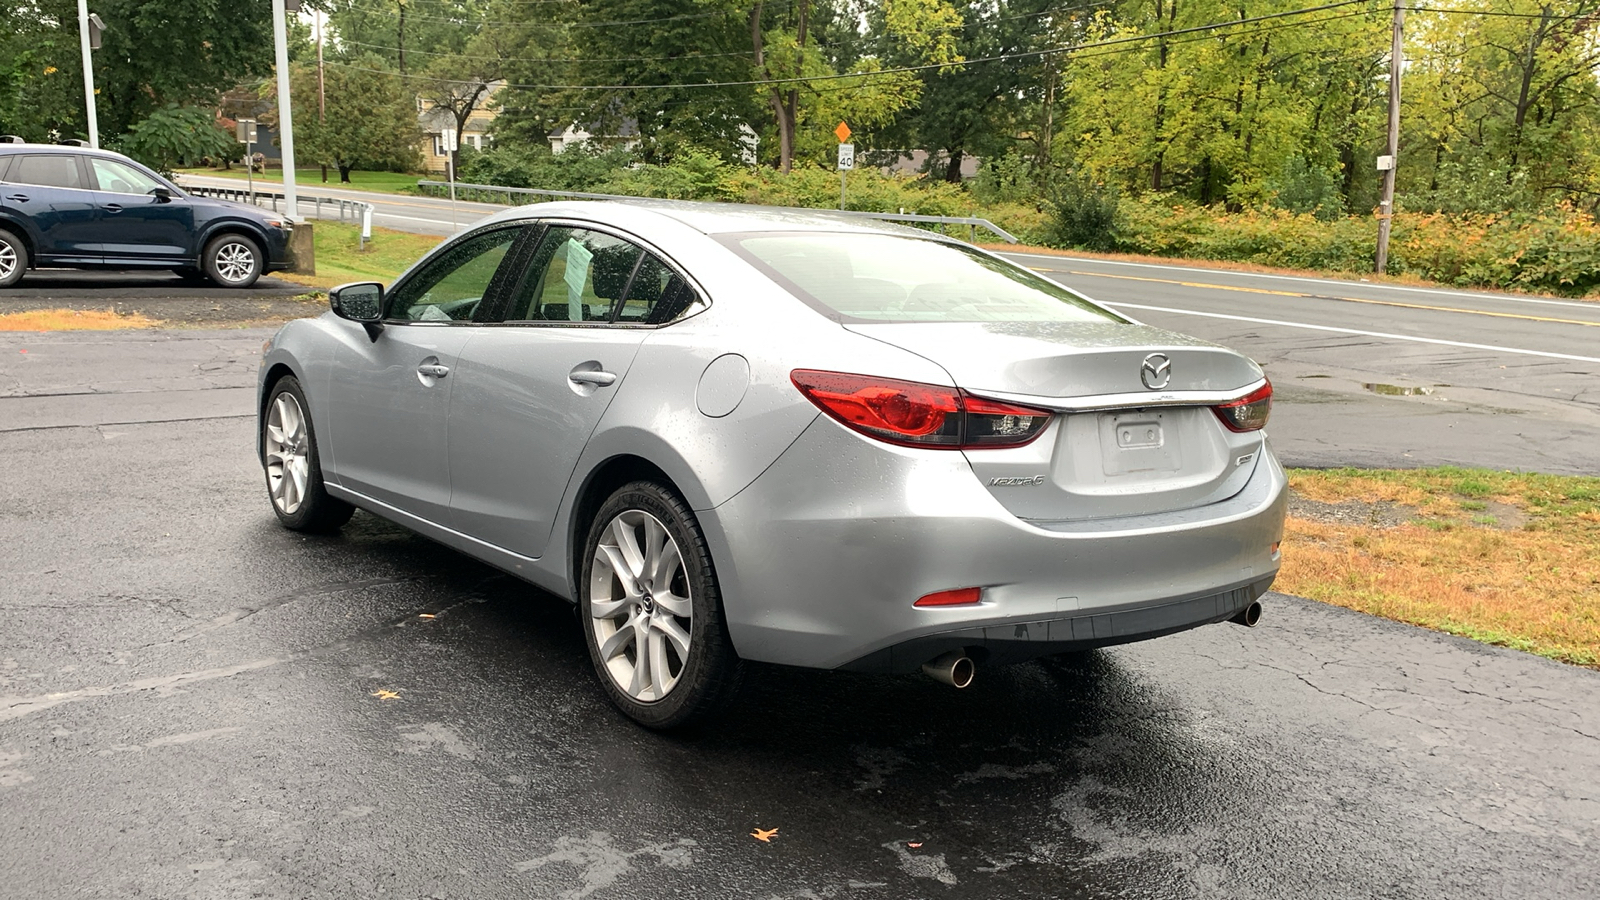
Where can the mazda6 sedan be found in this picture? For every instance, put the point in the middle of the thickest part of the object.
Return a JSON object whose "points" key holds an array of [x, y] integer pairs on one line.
{"points": [[734, 434]]}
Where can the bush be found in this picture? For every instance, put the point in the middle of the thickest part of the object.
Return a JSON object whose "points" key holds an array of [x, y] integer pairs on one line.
{"points": [[1303, 188], [1085, 213]]}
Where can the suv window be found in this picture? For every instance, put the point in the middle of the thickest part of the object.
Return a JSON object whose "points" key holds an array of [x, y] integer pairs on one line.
{"points": [[121, 178], [452, 284], [576, 275], [52, 170]]}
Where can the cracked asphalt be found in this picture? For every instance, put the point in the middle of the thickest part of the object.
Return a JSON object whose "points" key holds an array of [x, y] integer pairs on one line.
{"points": [[195, 703]]}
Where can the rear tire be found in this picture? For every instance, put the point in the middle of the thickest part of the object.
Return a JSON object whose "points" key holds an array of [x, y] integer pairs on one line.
{"points": [[293, 469], [13, 258], [651, 612], [232, 261]]}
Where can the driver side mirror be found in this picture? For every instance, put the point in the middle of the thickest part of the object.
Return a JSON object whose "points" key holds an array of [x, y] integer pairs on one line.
{"points": [[360, 301], [162, 195]]}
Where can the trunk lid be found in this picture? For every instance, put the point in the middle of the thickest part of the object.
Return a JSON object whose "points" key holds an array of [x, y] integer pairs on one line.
{"points": [[1134, 434]]}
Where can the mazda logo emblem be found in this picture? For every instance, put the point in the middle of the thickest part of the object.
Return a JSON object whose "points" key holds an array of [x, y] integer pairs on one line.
{"points": [[1156, 371]]}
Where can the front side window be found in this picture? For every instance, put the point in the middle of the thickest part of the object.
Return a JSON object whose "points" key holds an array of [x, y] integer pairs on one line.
{"points": [[55, 170], [888, 278], [453, 283], [576, 275], [121, 178]]}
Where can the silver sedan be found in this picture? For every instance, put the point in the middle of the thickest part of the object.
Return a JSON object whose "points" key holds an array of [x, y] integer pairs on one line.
{"points": [[737, 434]]}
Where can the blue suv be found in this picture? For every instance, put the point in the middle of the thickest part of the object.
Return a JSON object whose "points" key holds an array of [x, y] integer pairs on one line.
{"points": [[72, 207]]}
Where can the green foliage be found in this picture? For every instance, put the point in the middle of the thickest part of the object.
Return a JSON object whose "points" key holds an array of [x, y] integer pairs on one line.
{"points": [[1303, 188], [1085, 213], [581, 168], [177, 136], [370, 120]]}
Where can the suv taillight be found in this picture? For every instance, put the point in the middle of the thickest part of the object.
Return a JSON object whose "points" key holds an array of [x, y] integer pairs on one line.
{"points": [[913, 414], [1248, 413]]}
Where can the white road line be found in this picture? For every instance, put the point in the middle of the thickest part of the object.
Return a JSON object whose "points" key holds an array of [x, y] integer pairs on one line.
{"points": [[1347, 284], [1376, 334]]}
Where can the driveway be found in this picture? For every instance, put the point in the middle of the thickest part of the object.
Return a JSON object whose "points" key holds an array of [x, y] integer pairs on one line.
{"points": [[196, 703]]}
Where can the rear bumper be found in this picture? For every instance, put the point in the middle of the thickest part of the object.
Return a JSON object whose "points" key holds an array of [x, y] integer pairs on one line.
{"points": [[822, 557]]}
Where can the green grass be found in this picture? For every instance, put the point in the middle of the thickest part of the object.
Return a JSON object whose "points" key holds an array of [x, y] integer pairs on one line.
{"points": [[340, 258], [310, 179]]}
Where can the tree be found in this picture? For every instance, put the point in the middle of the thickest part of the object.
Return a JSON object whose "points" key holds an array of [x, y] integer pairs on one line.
{"points": [[155, 53], [370, 123], [175, 136]]}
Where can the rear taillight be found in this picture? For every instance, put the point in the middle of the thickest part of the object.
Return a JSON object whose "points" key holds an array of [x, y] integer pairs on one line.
{"points": [[1248, 413], [913, 414]]}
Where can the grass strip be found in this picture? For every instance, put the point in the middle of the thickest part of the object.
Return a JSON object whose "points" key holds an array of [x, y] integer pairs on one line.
{"points": [[340, 258], [310, 182], [73, 320], [1505, 558]]}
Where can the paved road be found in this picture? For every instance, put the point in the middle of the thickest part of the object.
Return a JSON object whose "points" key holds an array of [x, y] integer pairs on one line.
{"points": [[1473, 378], [192, 704]]}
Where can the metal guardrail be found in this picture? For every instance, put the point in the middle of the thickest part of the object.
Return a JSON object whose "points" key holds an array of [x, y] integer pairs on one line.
{"points": [[358, 210], [973, 223]]}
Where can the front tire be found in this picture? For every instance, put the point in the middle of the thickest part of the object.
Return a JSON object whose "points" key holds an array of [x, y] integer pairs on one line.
{"points": [[652, 614], [232, 261], [293, 469], [13, 259]]}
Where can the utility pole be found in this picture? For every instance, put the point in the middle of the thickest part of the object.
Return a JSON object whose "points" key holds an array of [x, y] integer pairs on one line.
{"points": [[285, 119], [1389, 162], [322, 97], [88, 73]]}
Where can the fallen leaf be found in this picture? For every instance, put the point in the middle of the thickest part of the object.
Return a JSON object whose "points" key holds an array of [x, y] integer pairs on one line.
{"points": [[763, 835], [386, 695], [913, 844], [426, 616]]}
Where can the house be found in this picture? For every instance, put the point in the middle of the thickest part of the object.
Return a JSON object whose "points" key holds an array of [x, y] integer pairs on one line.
{"points": [[437, 122]]}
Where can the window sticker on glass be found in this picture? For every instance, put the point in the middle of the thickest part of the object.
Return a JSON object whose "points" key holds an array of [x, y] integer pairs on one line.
{"points": [[578, 258]]}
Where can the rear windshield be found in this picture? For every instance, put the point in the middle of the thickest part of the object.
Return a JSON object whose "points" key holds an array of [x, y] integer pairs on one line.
{"points": [[888, 278]]}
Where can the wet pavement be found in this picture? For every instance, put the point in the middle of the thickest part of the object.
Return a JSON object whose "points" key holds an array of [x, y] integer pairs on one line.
{"points": [[197, 703]]}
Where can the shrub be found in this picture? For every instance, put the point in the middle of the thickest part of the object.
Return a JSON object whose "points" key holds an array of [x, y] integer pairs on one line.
{"points": [[1085, 213]]}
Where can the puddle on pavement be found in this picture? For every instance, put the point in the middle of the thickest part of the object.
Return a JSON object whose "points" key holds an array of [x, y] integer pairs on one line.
{"points": [[1397, 390]]}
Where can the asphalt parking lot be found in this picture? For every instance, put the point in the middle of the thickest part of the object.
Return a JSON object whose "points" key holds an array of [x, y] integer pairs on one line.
{"points": [[196, 703]]}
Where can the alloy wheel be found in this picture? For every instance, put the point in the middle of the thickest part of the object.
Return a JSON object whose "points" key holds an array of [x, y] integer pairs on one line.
{"points": [[288, 447], [8, 260], [235, 261], [641, 605]]}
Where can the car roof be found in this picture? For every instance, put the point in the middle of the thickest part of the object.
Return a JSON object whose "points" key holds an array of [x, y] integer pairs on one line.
{"points": [[34, 149], [709, 218]]}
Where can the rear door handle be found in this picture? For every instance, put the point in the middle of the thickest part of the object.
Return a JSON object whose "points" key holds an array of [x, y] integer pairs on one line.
{"points": [[20, 198], [112, 208], [586, 376], [433, 370]]}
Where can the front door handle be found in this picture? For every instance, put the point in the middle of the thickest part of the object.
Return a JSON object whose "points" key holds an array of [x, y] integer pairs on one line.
{"points": [[112, 208], [433, 370], [20, 198], [586, 376]]}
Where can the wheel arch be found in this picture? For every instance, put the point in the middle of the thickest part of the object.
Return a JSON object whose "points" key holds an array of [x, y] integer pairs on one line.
{"points": [[275, 373], [603, 481], [16, 227], [229, 226]]}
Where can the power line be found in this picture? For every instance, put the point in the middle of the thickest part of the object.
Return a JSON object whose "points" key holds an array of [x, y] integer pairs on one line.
{"points": [[479, 23], [535, 59], [1107, 47], [1005, 57]]}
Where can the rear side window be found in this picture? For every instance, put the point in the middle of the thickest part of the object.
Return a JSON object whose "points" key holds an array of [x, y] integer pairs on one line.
{"points": [[576, 275], [888, 278], [655, 296], [56, 170]]}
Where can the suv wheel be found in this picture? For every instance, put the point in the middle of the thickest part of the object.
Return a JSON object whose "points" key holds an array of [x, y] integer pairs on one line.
{"points": [[232, 260], [13, 259]]}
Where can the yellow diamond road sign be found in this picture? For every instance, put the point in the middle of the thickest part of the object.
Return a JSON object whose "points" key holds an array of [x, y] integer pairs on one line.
{"points": [[843, 131]]}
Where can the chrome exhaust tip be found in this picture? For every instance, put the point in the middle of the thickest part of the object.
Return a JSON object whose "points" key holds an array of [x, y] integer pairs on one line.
{"points": [[953, 668], [1249, 616]]}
